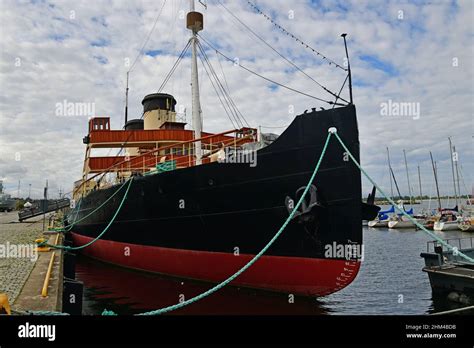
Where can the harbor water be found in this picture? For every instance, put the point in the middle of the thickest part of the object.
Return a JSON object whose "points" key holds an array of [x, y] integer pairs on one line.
{"points": [[390, 281]]}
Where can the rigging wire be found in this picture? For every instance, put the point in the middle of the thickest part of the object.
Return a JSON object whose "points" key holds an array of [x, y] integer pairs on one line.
{"points": [[148, 37], [175, 8], [226, 92], [220, 87], [277, 52], [175, 65], [222, 70], [231, 107], [227, 109], [463, 182], [217, 93], [340, 91], [330, 61], [266, 78]]}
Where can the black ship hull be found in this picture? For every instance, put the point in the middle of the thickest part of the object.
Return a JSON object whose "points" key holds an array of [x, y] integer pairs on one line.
{"points": [[205, 222]]}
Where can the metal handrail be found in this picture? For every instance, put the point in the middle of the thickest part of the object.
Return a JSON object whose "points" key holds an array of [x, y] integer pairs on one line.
{"points": [[450, 241], [109, 169]]}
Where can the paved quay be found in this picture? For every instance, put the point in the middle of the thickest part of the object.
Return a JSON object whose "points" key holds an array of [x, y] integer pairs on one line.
{"points": [[14, 270], [22, 269]]}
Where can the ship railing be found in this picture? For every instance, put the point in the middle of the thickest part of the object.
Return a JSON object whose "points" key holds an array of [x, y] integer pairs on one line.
{"points": [[209, 144], [181, 155], [460, 243]]}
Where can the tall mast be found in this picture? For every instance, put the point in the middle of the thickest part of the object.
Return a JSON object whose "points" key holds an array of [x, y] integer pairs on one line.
{"points": [[194, 22], [456, 160], [396, 185], [126, 100], [436, 180], [452, 168], [419, 183], [408, 176], [390, 172], [349, 75]]}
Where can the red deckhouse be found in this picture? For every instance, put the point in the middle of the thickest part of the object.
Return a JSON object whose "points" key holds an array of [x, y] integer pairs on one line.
{"points": [[156, 138]]}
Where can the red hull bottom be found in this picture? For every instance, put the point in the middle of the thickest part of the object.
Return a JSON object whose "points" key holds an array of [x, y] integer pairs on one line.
{"points": [[293, 275]]}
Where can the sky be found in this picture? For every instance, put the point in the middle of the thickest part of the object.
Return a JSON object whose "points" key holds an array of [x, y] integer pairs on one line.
{"points": [[417, 54]]}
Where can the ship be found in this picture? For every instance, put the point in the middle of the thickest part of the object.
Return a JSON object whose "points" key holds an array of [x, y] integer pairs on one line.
{"points": [[201, 205]]}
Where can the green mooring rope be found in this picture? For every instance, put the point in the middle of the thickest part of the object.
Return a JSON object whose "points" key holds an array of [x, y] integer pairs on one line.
{"points": [[68, 228], [420, 226], [65, 228], [256, 257], [105, 229]]}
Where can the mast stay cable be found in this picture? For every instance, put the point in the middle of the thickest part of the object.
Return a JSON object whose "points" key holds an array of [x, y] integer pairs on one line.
{"points": [[173, 68], [148, 37], [280, 54], [266, 78], [218, 96], [226, 93], [330, 61]]}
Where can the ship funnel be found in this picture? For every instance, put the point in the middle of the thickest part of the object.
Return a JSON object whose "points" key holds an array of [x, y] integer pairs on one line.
{"points": [[158, 108]]}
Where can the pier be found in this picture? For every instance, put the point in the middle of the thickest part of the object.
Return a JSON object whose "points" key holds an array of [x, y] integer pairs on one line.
{"points": [[32, 280], [44, 208]]}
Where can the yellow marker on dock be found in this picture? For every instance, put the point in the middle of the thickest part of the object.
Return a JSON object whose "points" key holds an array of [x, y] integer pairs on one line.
{"points": [[4, 304], [44, 292], [41, 249]]}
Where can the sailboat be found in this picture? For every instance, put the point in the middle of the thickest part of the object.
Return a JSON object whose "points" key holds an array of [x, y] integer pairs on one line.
{"points": [[400, 220], [434, 217], [467, 224], [450, 218], [383, 217]]}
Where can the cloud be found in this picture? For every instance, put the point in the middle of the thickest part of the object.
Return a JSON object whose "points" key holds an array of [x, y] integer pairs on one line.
{"points": [[77, 51]]}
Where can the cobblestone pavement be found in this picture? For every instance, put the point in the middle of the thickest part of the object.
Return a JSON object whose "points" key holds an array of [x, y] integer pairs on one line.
{"points": [[14, 271]]}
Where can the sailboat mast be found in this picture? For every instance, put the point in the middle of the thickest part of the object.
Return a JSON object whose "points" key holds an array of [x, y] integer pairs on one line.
{"points": [[390, 172], [396, 184], [452, 168], [456, 160], [436, 180], [419, 183], [408, 176], [194, 22]]}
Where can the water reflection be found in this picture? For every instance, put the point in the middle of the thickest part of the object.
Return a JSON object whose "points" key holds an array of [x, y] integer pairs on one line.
{"points": [[129, 292]]}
